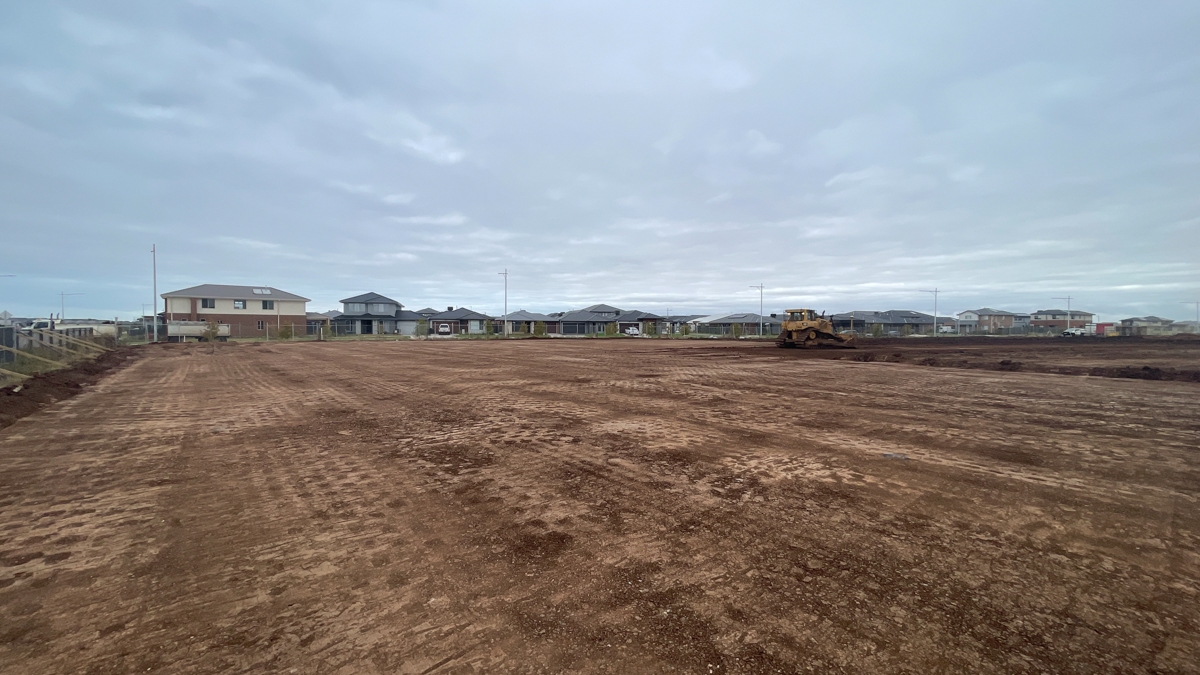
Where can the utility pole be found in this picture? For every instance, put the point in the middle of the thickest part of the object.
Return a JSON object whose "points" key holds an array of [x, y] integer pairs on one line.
{"points": [[62, 304], [760, 308], [505, 275], [1068, 299], [935, 292], [154, 255]]}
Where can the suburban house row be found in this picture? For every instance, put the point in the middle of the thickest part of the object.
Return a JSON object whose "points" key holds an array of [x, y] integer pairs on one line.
{"points": [[257, 311]]}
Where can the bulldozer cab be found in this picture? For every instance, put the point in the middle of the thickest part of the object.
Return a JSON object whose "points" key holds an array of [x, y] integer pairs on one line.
{"points": [[801, 315]]}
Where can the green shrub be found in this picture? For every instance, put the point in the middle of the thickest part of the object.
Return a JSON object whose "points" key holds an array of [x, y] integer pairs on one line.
{"points": [[539, 328]]}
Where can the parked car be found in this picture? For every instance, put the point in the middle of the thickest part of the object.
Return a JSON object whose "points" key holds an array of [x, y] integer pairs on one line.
{"points": [[633, 330], [1073, 332]]}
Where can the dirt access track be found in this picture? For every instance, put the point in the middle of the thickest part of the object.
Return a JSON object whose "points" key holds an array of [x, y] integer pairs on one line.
{"points": [[599, 506]]}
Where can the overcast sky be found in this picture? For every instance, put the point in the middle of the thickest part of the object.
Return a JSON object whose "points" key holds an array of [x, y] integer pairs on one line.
{"points": [[650, 155]]}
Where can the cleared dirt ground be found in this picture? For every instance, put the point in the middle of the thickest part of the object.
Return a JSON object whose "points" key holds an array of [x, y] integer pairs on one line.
{"points": [[613, 506]]}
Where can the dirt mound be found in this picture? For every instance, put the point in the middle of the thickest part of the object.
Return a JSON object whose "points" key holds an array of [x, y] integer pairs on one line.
{"points": [[25, 398]]}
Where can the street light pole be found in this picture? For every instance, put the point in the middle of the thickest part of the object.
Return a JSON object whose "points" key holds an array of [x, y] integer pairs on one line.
{"points": [[154, 255], [1197, 304], [1068, 299], [760, 308], [935, 292], [62, 304], [505, 275]]}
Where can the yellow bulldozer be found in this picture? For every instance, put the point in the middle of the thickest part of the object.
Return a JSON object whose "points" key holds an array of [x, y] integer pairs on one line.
{"points": [[803, 328]]}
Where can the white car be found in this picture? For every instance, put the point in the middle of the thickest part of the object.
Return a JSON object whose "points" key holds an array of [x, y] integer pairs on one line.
{"points": [[633, 330], [1073, 332]]}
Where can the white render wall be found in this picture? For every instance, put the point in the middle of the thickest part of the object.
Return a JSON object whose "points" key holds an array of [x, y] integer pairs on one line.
{"points": [[253, 306]]}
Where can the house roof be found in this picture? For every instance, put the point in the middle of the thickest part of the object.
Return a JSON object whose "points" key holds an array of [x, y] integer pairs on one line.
{"points": [[892, 316], [1146, 319], [408, 315], [226, 292], [460, 314], [605, 314], [522, 315], [427, 311], [332, 314], [988, 311], [739, 317], [370, 297]]}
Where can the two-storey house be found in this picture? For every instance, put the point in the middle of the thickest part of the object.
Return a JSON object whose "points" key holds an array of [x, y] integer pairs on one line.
{"points": [[374, 314], [250, 311]]}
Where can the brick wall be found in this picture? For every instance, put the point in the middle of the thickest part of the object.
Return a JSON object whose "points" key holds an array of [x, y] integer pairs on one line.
{"points": [[245, 324]]}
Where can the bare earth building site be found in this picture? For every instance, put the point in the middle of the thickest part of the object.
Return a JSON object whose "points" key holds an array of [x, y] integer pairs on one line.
{"points": [[536, 338]]}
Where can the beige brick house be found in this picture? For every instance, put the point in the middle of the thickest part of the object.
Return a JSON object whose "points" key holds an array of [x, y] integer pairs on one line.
{"points": [[250, 311]]}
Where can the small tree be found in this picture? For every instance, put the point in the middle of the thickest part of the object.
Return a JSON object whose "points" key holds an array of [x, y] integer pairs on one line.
{"points": [[737, 330], [285, 332], [486, 326], [906, 330], [422, 327], [610, 328], [685, 329], [212, 330], [539, 328], [877, 330]]}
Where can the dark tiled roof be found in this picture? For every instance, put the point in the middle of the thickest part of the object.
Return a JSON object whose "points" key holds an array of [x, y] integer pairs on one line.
{"points": [[522, 315], [370, 297], [460, 314], [226, 292]]}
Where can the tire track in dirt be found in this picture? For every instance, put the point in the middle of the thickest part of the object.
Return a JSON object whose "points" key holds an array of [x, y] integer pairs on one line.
{"points": [[592, 507]]}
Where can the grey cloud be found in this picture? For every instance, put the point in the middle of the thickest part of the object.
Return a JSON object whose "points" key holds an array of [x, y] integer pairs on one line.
{"points": [[644, 154]]}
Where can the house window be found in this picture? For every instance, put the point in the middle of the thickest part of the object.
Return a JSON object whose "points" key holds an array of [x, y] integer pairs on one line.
{"points": [[356, 308], [268, 304], [239, 304], [262, 325], [208, 303]]}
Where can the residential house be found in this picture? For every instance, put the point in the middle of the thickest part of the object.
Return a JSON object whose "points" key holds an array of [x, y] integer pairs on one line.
{"points": [[722, 324], [988, 320], [890, 321], [250, 311], [1057, 319], [367, 314], [461, 321], [594, 319], [673, 323], [316, 323], [522, 320], [1146, 325]]}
